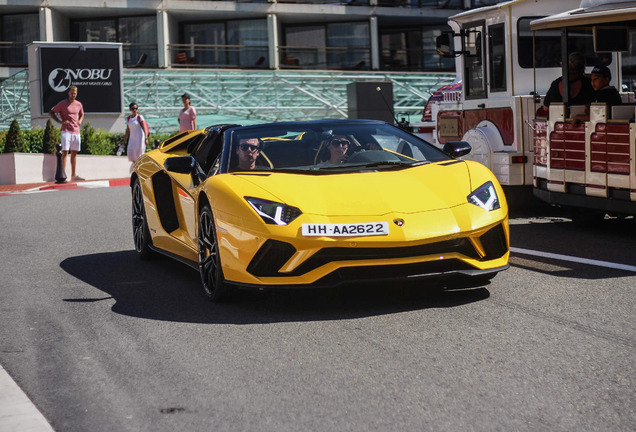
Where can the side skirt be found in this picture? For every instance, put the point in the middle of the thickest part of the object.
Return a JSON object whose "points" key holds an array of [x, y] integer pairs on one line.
{"points": [[193, 264]]}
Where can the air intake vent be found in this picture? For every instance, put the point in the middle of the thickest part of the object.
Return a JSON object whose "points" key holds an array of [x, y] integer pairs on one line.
{"points": [[270, 258], [494, 242]]}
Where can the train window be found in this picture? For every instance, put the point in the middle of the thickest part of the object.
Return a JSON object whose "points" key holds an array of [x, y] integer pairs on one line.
{"points": [[546, 44], [474, 67], [497, 57]]}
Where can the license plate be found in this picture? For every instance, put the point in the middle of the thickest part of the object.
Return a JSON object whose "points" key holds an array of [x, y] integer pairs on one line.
{"points": [[345, 230]]}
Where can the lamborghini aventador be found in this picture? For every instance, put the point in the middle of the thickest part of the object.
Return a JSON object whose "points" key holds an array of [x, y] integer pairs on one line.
{"points": [[318, 203]]}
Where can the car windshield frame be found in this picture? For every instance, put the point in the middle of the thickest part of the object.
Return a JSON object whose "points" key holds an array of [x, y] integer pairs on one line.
{"points": [[304, 148]]}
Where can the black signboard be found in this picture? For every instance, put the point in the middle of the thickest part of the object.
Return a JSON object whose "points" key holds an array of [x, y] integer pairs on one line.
{"points": [[95, 71]]}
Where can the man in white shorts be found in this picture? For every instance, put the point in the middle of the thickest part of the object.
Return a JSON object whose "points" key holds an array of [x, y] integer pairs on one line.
{"points": [[70, 114]]}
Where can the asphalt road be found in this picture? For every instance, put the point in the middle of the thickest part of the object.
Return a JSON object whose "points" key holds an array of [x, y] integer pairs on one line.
{"points": [[101, 341]]}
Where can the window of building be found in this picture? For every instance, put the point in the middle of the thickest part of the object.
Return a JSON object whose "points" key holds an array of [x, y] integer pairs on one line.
{"points": [[17, 32], [329, 46], [349, 45], [497, 57], [413, 49], [250, 36], [433, 62], [401, 49], [238, 43], [304, 45], [138, 36], [204, 43]]}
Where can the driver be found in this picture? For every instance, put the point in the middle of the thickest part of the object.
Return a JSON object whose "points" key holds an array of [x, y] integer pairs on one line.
{"points": [[248, 150], [337, 146]]}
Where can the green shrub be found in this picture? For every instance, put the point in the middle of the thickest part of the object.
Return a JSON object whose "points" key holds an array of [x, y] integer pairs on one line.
{"points": [[14, 142], [95, 142], [51, 138], [33, 140]]}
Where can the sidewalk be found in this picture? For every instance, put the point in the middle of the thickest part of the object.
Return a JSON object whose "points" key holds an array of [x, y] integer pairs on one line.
{"points": [[17, 412], [52, 186]]}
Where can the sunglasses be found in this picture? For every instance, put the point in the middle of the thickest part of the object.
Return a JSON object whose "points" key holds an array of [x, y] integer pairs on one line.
{"points": [[341, 143], [246, 147], [133, 109]]}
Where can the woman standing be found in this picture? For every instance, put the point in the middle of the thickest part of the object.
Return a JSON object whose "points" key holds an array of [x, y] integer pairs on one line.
{"points": [[136, 134], [187, 116]]}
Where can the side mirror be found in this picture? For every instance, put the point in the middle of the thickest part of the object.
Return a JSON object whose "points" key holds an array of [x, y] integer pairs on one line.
{"points": [[180, 164], [444, 44], [456, 149]]}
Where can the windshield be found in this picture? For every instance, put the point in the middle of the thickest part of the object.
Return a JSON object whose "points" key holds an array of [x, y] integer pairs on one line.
{"points": [[328, 147]]}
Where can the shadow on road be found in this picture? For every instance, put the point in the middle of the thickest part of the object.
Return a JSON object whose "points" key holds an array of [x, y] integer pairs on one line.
{"points": [[164, 289], [609, 241]]}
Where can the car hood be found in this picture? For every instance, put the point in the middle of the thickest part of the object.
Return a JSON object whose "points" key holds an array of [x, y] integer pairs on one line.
{"points": [[424, 188]]}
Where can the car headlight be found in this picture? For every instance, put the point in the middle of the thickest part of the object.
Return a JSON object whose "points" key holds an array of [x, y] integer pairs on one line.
{"points": [[273, 212], [485, 197]]}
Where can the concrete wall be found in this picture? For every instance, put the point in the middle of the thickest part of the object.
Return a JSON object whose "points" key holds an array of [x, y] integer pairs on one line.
{"points": [[21, 168]]}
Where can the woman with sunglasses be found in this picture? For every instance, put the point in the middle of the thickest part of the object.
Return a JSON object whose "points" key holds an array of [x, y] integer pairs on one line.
{"points": [[136, 134], [337, 146]]}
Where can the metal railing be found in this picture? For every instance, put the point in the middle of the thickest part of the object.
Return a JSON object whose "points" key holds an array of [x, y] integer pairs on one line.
{"points": [[324, 58], [256, 96], [218, 56], [417, 59], [139, 55], [14, 100]]}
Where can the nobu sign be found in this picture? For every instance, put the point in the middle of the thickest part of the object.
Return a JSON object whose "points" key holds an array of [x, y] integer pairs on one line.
{"points": [[95, 71]]}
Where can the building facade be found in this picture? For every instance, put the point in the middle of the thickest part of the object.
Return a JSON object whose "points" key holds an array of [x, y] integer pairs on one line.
{"points": [[366, 35]]}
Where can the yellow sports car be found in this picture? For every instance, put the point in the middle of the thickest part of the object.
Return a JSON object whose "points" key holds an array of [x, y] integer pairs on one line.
{"points": [[318, 203]]}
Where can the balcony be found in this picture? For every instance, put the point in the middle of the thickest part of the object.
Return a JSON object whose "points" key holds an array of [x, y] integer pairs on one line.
{"points": [[218, 56], [324, 58]]}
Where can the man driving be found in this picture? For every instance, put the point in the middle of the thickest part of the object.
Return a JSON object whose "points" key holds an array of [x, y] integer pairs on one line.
{"points": [[248, 150]]}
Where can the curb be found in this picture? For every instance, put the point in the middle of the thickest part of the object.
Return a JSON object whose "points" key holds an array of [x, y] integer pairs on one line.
{"points": [[48, 187], [17, 411]]}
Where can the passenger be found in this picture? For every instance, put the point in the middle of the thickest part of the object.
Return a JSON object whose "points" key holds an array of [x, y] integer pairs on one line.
{"points": [[337, 146], [601, 77], [248, 151], [580, 87], [604, 93]]}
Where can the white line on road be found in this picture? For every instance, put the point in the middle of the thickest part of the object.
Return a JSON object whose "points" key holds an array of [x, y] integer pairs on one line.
{"points": [[574, 259]]}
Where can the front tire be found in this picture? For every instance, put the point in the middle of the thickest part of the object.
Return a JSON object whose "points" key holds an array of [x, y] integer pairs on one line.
{"points": [[214, 285], [141, 233]]}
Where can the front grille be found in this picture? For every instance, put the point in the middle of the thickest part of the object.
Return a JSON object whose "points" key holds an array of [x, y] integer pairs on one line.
{"points": [[273, 254], [326, 255]]}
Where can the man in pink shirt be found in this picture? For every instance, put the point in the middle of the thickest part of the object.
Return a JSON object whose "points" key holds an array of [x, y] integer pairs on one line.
{"points": [[70, 114], [187, 116]]}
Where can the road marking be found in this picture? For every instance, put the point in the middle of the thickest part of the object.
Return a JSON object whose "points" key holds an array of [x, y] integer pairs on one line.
{"points": [[17, 412], [597, 263]]}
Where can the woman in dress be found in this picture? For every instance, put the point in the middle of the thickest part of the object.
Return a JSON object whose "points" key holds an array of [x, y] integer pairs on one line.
{"points": [[136, 128], [187, 116]]}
